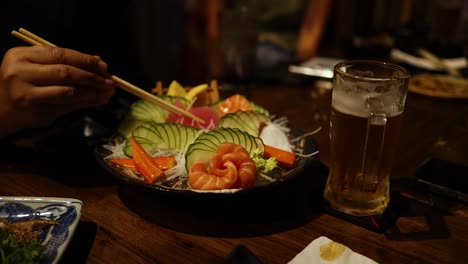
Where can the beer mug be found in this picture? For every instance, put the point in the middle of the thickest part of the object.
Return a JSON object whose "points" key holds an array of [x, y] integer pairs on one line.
{"points": [[368, 100]]}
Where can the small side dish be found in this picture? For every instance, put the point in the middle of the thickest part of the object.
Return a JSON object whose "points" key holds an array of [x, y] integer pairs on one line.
{"points": [[439, 86], [19, 242], [36, 229]]}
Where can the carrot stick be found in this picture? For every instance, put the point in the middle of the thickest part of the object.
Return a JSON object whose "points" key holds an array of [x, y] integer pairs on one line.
{"points": [[164, 162], [284, 158], [144, 162]]}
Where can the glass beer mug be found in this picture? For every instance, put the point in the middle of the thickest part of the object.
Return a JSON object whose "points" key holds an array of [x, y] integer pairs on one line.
{"points": [[368, 100]]}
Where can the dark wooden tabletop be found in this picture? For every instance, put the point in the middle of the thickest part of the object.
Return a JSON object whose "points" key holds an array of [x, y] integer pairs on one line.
{"points": [[123, 224]]}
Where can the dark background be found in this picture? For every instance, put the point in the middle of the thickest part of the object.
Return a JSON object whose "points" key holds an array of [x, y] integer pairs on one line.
{"points": [[145, 41], [118, 31]]}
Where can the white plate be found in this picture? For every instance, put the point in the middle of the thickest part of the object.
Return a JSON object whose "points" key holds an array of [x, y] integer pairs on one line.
{"points": [[326, 251], [399, 55], [65, 211], [317, 67]]}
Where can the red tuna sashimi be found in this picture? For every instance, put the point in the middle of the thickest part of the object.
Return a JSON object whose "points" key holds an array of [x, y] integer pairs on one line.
{"points": [[206, 113]]}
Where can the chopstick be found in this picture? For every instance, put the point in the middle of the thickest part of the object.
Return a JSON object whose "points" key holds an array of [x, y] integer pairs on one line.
{"points": [[35, 40], [36, 37], [436, 60]]}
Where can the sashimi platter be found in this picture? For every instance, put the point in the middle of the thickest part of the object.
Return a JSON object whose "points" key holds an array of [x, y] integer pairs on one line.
{"points": [[239, 145]]}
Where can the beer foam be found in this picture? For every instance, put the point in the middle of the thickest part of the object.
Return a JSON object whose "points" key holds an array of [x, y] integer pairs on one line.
{"points": [[363, 104]]}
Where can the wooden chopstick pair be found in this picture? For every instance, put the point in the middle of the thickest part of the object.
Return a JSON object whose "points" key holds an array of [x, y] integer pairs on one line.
{"points": [[437, 61], [35, 40]]}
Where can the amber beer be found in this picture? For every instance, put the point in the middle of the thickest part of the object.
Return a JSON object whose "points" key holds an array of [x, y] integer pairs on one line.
{"points": [[363, 142], [346, 186]]}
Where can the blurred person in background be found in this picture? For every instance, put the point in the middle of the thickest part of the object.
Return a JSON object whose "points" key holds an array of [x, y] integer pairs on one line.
{"points": [[247, 39]]}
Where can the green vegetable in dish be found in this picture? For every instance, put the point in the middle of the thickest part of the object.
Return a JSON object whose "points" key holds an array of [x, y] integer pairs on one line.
{"points": [[161, 135], [204, 147], [143, 111], [15, 249], [19, 241], [248, 121]]}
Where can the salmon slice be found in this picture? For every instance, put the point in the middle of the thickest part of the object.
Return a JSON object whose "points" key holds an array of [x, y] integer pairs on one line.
{"points": [[231, 167], [233, 104], [200, 179]]}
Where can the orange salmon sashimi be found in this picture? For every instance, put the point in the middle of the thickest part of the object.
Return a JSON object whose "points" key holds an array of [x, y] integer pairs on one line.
{"points": [[230, 168], [233, 104]]}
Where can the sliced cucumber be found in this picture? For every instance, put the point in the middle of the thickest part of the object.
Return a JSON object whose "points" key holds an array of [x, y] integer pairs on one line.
{"points": [[145, 143], [144, 134], [144, 111], [205, 146], [208, 144], [167, 136], [127, 125], [163, 136], [248, 121], [259, 109]]}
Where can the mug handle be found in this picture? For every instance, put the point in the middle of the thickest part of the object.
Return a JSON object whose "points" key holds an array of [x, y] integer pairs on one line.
{"points": [[373, 151]]}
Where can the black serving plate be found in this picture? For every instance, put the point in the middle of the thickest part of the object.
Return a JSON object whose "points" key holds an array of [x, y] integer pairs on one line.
{"points": [[306, 145], [290, 201]]}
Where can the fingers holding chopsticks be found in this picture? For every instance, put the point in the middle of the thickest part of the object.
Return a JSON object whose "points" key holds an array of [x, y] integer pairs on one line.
{"points": [[47, 82], [40, 83], [56, 75], [35, 40], [56, 55], [52, 65], [64, 95]]}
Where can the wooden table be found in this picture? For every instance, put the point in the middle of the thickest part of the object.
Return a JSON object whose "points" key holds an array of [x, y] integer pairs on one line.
{"points": [[125, 225]]}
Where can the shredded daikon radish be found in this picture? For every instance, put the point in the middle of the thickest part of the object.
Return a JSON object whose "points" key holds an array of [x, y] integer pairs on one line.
{"points": [[116, 149], [273, 135]]}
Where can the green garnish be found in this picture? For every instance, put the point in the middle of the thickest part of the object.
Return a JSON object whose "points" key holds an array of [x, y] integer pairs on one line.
{"points": [[17, 250], [263, 165]]}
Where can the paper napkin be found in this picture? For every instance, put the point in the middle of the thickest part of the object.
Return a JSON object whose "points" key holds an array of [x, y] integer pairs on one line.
{"points": [[325, 251]]}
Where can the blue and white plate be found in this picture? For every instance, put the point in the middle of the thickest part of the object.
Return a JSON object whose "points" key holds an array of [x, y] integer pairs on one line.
{"points": [[65, 211]]}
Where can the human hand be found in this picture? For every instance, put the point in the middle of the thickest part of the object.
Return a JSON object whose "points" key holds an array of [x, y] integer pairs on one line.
{"points": [[39, 84]]}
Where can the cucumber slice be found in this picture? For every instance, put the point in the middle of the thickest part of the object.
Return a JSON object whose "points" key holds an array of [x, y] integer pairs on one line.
{"points": [[248, 121], [147, 135], [167, 136], [201, 151], [148, 132], [127, 125], [224, 137], [198, 155], [175, 136], [208, 143], [145, 143], [163, 136], [244, 140], [259, 109], [212, 138], [145, 111]]}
